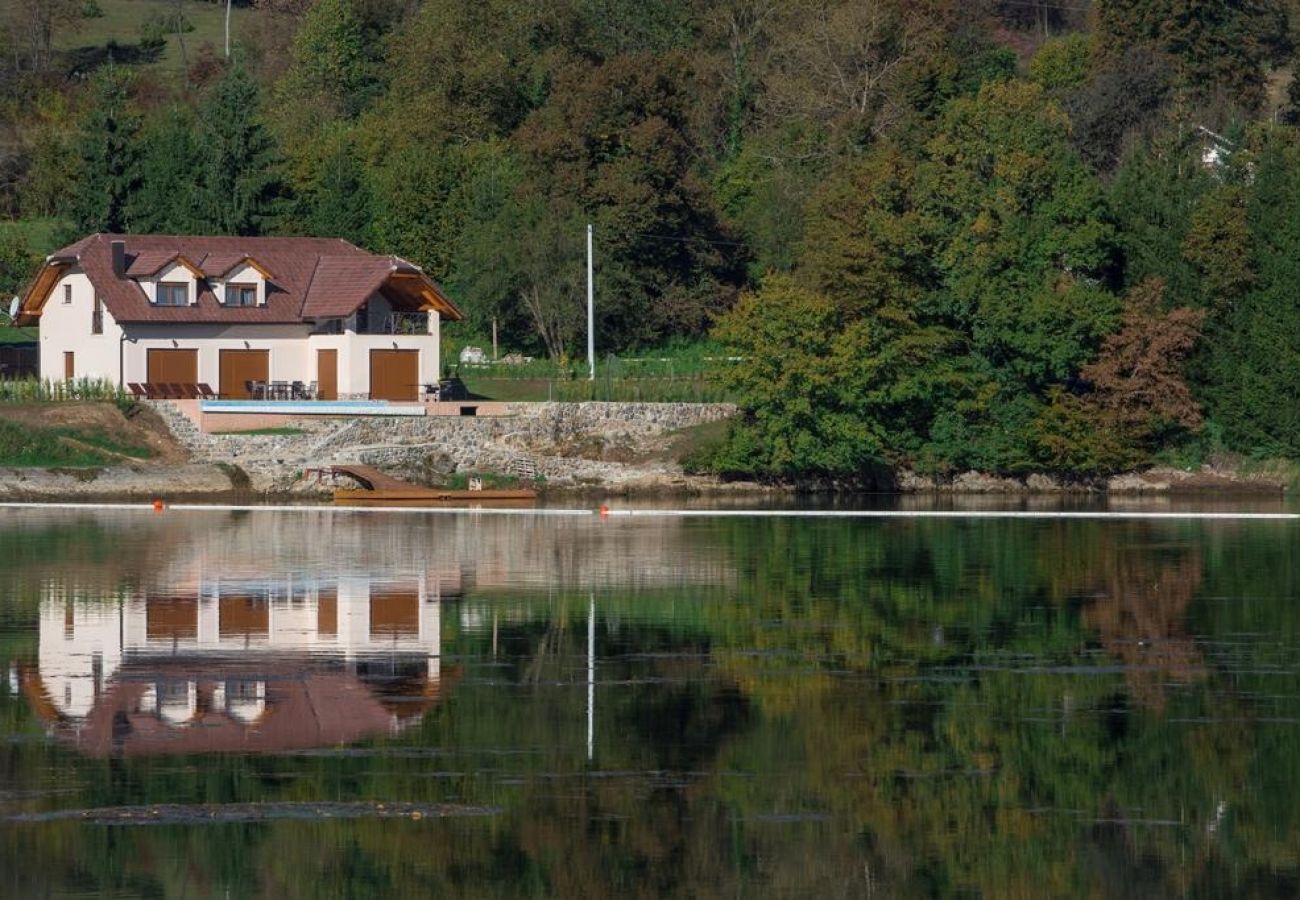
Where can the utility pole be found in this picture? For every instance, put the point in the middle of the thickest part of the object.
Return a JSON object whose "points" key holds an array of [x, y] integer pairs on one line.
{"points": [[591, 311], [494, 339], [228, 29]]}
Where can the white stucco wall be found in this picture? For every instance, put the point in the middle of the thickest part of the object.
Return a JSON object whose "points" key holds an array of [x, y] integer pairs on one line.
{"points": [[172, 272], [241, 274], [66, 327]]}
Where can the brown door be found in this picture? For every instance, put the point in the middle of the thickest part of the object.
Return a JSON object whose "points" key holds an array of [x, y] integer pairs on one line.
{"points": [[327, 374], [173, 366], [243, 617], [394, 374], [395, 612], [69, 364], [238, 367]]}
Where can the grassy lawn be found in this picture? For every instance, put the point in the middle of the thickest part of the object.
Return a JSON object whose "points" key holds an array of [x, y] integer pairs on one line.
{"points": [[697, 388], [10, 335], [43, 236], [122, 21], [24, 446]]}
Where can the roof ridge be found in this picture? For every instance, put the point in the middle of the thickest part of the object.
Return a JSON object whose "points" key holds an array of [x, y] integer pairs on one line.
{"points": [[310, 281]]}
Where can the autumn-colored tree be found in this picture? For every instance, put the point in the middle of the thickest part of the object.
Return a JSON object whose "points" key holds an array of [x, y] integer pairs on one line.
{"points": [[1138, 373]]}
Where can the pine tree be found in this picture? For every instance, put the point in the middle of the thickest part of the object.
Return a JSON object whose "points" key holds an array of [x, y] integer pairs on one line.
{"points": [[241, 187], [109, 156], [170, 166], [338, 202]]}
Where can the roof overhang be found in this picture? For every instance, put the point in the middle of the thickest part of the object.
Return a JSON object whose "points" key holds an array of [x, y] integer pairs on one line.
{"points": [[38, 291], [417, 286]]}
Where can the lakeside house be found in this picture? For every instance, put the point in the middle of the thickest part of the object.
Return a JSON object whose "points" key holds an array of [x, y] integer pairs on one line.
{"points": [[231, 311]]}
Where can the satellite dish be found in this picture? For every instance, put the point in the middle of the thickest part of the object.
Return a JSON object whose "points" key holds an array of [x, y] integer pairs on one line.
{"points": [[13, 309]]}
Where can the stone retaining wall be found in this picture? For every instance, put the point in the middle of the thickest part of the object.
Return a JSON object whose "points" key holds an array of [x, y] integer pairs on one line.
{"points": [[568, 443]]}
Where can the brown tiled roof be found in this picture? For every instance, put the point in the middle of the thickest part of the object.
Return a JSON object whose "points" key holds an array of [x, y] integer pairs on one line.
{"points": [[313, 278], [149, 263], [218, 264]]}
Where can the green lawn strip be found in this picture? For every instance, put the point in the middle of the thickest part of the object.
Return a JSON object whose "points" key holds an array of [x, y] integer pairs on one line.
{"points": [[254, 432], [101, 441]]}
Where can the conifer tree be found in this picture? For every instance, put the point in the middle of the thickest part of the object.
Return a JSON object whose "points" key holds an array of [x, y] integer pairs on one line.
{"points": [[109, 157], [241, 187], [170, 167]]}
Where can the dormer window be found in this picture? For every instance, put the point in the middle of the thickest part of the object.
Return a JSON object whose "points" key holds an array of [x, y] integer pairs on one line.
{"points": [[241, 295], [173, 293]]}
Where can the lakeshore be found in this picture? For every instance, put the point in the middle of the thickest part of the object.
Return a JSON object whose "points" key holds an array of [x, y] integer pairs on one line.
{"points": [[585, 451]]}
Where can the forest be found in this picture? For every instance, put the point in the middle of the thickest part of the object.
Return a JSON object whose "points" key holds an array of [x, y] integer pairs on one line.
{"points": [[1005, 235]]}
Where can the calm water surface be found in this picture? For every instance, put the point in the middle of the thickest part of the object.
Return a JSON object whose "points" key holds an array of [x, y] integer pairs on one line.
{"points": [[309, 705]]}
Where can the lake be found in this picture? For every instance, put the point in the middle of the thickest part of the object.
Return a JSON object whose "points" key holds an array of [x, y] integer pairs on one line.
{"points": [[309, 704]]}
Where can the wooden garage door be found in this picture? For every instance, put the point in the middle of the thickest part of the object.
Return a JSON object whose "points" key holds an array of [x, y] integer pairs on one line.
{"points": [[238, 367], [173, 366], [394, 374]]}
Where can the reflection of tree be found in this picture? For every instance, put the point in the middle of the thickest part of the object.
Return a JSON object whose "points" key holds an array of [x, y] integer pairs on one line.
{"points": [[1005, 708], [1140, 611]]}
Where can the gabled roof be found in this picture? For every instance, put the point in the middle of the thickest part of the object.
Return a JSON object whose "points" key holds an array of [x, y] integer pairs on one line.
{"points": [[219, 264], [314, 278]]}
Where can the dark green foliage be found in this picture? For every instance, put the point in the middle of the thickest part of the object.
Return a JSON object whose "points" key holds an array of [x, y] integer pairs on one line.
{"points": [[967, 188], [1252, 375], [171, 165], [1218, 46], [109, 156], [241, 185], [336, 203]]}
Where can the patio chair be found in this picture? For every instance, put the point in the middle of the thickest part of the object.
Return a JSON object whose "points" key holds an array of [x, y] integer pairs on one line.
{"points": [[206, 392], [172, 391], [310, 392], [297, 391], [190, 391], [137, 391]]}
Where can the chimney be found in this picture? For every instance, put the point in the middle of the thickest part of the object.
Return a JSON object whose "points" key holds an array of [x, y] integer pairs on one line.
{"points": [[119, 258]]}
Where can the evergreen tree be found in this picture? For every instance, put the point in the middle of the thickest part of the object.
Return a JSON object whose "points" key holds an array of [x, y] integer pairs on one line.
{"points": [[241, 188], [1252, 375], [170, 166], [338, 200], [109, 156]]}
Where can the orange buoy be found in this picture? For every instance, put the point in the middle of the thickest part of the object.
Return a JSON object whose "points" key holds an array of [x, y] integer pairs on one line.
{"points": [[157, 506], [604, 511]]}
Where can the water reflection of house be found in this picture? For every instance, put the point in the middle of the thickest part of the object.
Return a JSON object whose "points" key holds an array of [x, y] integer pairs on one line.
{"points": [[247, 665]]}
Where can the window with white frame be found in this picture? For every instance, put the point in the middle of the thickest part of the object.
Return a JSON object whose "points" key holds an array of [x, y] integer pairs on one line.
{"points": [[173, 293]]}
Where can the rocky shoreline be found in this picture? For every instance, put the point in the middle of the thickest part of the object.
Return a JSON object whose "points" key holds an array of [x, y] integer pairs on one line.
{"points": [[588, 450], [227, 482]]}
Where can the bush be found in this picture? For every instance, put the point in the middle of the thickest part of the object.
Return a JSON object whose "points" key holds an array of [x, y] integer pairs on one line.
{"points": [[90, 9]]}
